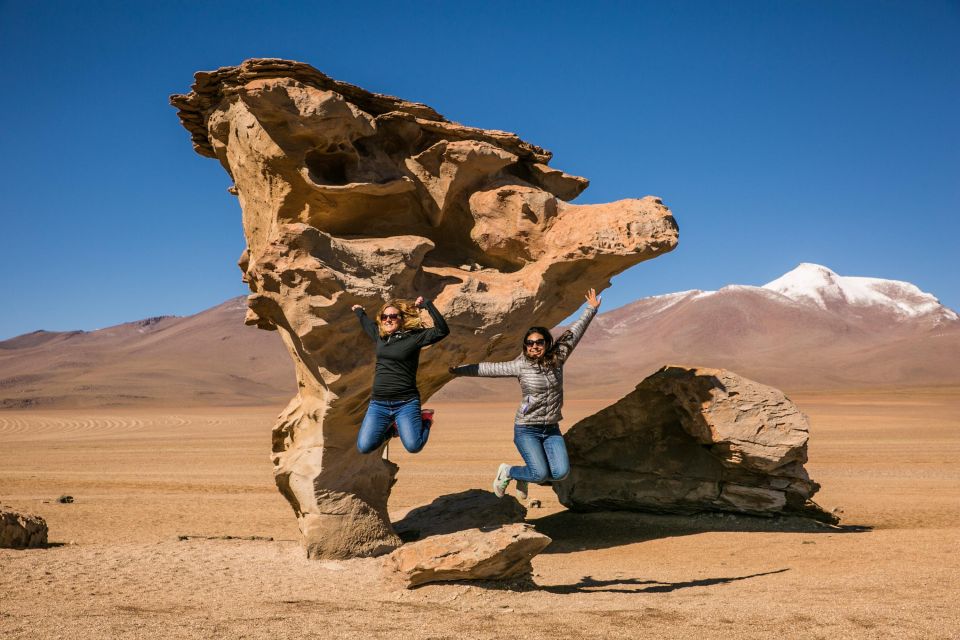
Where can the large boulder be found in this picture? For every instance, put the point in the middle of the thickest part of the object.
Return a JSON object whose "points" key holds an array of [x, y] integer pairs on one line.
{"points": [[351, 197], [497, 553], [21, 530], [693, 439]]}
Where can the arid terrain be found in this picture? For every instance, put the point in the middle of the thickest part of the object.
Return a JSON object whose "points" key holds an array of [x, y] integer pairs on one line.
{"points": [[142, 477]]}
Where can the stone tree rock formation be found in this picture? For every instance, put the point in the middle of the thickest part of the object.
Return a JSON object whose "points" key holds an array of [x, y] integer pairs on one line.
{"points": [[693, 439], [351, 197]]}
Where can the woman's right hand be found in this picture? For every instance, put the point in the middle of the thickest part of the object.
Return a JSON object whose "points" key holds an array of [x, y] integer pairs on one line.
{"points": [[355, 307], [592, 298]]}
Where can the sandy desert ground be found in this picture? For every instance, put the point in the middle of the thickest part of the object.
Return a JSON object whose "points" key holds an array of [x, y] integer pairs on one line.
{"points": [[141, 478]]}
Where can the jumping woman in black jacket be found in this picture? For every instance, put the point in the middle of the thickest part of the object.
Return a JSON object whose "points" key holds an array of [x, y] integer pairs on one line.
{"points": [[395, 399]]}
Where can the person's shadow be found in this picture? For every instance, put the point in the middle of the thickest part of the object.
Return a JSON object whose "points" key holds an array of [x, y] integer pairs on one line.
{"points": [[588, 584]]}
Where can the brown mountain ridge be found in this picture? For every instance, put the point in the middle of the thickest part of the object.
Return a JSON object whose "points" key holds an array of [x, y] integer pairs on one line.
{"points": [[810, 329]]}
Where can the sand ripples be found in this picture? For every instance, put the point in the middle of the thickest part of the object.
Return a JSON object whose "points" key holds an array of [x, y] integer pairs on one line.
{"points": [[41, 427]]}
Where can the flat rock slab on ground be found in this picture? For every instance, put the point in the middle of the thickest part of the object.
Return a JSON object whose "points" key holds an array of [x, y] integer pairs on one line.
{"points": [[475, 554]]}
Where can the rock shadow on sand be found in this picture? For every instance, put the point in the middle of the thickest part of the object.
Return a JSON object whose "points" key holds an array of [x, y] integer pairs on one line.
{"points": [[471, 509], [581, 531]]}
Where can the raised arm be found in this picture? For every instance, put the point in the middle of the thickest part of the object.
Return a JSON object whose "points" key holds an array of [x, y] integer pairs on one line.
{"points": [[509, 369], [438, 331], [579, 327], [369, 326]]}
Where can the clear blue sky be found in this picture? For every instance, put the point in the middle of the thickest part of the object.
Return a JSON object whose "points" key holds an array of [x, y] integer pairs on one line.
{"points": [[779, 132]]}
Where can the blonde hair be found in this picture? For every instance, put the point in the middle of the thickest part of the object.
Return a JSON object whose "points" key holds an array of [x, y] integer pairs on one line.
{"points": [[409, 315]]}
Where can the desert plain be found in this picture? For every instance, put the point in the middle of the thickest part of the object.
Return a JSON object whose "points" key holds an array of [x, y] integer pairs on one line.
{"points": [[177, 531]]}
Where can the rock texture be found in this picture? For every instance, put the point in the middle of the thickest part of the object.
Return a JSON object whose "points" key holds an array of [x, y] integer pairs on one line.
{"points": [[693, 439], [21, 530], [351, 197], [471, 509], [475, 554]]}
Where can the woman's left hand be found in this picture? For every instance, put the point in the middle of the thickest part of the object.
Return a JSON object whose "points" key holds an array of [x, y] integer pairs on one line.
{"points": [[419, 301], [592, 299]]}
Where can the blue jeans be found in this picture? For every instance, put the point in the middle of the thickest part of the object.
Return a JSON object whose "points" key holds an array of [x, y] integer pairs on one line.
{"points": [[543, 451], [381, 414]]}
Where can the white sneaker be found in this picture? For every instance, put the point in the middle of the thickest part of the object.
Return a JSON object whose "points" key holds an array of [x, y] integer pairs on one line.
{"points": [[521, 489], [502, 480]]}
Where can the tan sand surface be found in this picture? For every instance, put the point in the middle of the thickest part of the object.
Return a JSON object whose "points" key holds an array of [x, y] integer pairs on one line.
{"points": [[142, 477]]}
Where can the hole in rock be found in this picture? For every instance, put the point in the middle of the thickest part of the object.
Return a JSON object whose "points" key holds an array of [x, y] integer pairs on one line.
{"points": [[328, 168], [362, 147]]}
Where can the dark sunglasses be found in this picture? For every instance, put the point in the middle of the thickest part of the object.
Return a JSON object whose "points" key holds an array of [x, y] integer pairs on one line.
{"points": [[389, 316], [532, 343]]}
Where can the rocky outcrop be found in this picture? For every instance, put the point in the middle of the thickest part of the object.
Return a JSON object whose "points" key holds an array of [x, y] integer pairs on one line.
{"points": [[693, 439], [351, 197], [501, 553], [21, 530]]}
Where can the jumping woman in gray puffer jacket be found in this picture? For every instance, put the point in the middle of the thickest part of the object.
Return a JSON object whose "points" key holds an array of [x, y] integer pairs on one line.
{"points": [[536, 431]]}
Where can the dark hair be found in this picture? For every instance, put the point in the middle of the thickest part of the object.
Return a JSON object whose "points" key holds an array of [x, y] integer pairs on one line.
{"points": [[551, 348]]}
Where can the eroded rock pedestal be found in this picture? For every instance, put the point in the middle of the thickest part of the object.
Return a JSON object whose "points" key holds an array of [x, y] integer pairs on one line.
{"points": [[351, 197], [693, 439]]}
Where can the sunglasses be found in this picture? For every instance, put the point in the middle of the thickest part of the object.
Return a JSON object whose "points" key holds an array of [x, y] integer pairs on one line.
{"points": [[535, 343], [389, 316]]}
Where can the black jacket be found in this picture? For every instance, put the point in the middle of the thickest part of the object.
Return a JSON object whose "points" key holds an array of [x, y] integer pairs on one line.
{"points": [[399, 354]]}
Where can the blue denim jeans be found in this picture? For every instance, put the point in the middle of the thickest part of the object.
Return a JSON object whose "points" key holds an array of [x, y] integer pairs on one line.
{"points": [[543, 451], [381, 414]]}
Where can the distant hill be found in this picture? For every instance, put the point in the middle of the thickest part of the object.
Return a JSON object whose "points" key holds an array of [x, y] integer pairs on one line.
{"points": [[210, 358], [809, 329]]}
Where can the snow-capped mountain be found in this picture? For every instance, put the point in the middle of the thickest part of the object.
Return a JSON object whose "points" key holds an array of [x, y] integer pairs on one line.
{"points": [[810, 328], [810, 291], [818, 285]]}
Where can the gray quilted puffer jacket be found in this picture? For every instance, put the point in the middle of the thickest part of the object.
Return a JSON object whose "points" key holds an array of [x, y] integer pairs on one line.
{"points": [[541, 387]]}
